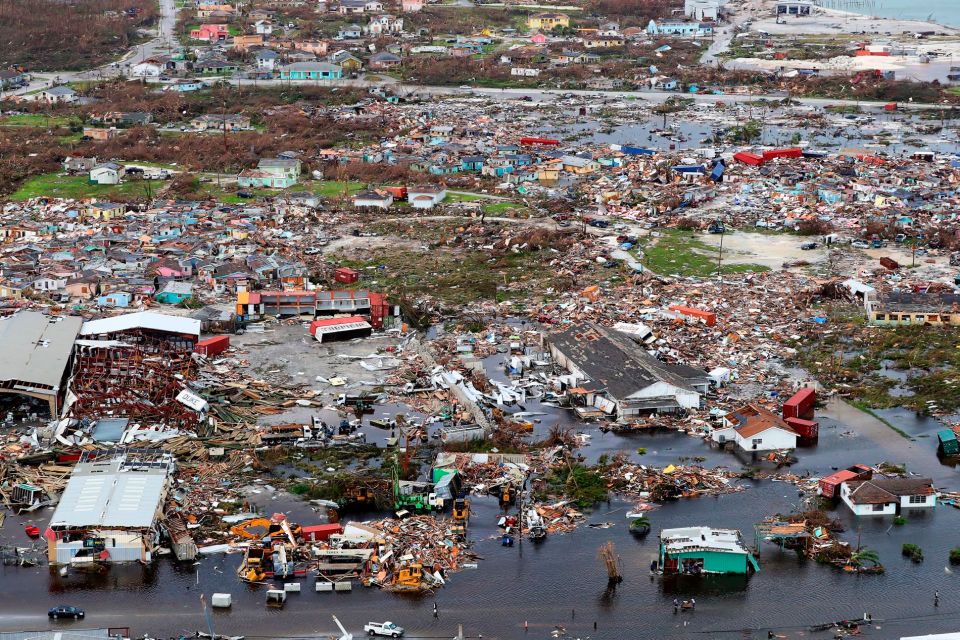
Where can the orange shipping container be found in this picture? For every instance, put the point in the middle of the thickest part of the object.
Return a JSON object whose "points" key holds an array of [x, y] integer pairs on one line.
{"points": [[709, 317]]}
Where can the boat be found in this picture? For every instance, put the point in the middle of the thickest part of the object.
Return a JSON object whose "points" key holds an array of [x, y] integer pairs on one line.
{"points": [[32, 531]]}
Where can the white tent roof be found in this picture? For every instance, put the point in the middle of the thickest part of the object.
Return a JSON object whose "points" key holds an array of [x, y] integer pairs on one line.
{"points": [[142, 320]]}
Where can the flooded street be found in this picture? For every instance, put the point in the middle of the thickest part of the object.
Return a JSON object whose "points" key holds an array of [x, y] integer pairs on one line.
{"points": [[561, 581]]}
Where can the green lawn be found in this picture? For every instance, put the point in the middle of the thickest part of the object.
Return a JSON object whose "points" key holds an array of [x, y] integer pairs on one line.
{"points": [[462, 197], [54, 185], [677, 252], [34, 120]]}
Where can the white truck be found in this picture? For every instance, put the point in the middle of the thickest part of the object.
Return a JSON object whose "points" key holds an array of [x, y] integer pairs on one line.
{"points": [[383, 629]]}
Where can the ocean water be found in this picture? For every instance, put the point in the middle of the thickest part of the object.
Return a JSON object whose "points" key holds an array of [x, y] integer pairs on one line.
{"points": [[945, 12]]}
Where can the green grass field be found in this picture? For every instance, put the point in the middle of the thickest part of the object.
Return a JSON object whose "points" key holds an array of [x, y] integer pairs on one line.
{"points": [[33, 120], [54, 185], [676, 252]]}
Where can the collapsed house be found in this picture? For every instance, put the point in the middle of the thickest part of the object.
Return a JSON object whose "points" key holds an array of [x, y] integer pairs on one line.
{"points": [[110, 509], [37, 351], [620, 377]]}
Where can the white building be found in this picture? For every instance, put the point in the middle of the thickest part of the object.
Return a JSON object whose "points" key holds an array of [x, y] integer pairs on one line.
{"points": [[263, 27], [106, 173], [110, 508], [703, 9], [794, 8], [753, 428], [423, 198], [373, 200], [888, 496], [57, 94]]}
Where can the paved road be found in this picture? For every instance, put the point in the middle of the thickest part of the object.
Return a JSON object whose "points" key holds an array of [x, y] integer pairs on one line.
{"points": [[164, 42]]}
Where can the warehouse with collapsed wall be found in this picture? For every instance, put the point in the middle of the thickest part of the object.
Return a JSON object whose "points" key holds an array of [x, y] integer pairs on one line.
{"points": [[134, 366], [111, 507], [619, 377], [37, 351]]}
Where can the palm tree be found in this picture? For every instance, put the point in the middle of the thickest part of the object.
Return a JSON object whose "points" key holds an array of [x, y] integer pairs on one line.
{"points": [[865, 556]]}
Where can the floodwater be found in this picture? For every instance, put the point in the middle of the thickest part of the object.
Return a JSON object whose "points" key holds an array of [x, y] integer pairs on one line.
{"points": [[561, 581], [945, 12]]}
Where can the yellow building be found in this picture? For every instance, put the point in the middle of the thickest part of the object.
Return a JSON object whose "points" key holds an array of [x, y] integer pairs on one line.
{"points": [[547, 21]]}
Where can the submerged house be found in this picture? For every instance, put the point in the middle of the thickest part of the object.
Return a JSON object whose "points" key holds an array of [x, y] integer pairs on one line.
{"points": [[699, 550], [754, 428], [888, 496], [111, 508]]}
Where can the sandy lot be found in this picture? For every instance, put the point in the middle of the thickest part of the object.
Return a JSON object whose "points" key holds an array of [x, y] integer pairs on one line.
{"points": [[764, 249]]}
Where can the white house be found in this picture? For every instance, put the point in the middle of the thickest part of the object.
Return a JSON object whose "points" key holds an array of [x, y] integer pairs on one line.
{"points": [[266, 60], [57, 94], [106, 173], [47, 283], [264, 27], [887, 496], [150, 68], [753, 428], [425, 198], [373, 199]]}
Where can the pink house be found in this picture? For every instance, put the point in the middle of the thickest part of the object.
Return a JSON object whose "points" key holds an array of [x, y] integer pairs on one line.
{"points": [[211, 33], [411, 6], [538, 38]]}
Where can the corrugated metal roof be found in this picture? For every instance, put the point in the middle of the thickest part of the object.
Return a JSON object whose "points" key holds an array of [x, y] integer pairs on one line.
{"points": [[142, 320], [104, 494], [36, 348], [71, 634]]}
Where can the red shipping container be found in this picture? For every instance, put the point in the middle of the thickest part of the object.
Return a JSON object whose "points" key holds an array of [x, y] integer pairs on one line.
{"points": [[544, 141], [889, 263], [794, 152], [748, 158], [806, 429], [346, 275], [707, 316], [801, 404], [212, 346], [398, 193], [890, 106], [320, 532]]}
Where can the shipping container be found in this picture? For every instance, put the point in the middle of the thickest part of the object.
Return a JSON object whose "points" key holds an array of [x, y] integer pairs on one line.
{"points": [[346, 275], [320, 532], [771, 154], [212, 347], [748, 158], [827, 486], [398, 193], [801, 404], [889, 263], [709, 317], [806, 429], [539, 141], [949, 445]]}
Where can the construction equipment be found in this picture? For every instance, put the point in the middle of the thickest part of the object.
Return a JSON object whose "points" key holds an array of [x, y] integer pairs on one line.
{"points": [[359, 495], [508, 494], [461, 510], [414, 496], [410, 576], [535, 526]]}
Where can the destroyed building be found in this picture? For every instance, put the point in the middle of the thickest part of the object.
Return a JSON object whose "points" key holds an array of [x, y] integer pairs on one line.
{"points": [[37, 355], [620, 377], [110, 509]]}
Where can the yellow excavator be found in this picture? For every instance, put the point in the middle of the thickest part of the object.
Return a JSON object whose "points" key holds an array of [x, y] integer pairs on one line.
{"points": [[461, 510], [410, 576], [255, 574]]}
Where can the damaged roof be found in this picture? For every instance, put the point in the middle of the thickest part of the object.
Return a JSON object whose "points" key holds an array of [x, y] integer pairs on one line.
{"points": [[36, 350], [612, 360]]}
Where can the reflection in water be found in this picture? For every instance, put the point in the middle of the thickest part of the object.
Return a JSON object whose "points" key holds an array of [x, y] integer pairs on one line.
{"points": [[703, 585]]}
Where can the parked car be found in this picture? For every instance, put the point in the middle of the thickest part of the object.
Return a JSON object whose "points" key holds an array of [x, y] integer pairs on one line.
{"points": [[63, 611], [807, 246], [860, 244], [599, 224], [383, 629]]}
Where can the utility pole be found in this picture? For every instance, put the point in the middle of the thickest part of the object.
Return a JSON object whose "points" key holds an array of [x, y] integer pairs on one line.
{"points": [[720, 256]]}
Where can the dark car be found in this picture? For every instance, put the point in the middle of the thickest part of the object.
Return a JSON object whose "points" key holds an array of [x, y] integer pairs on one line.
{"points": [[64, 611], [599, 224]]}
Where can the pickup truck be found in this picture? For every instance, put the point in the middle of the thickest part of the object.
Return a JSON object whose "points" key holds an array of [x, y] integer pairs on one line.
{"points": [[383, 629]]}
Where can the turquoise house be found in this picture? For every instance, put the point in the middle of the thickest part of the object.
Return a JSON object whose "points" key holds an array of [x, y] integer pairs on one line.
{"points": [[174, 292], [119, 299], [704, 550], [311, 71]]}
